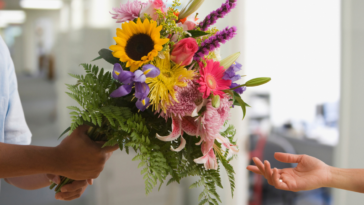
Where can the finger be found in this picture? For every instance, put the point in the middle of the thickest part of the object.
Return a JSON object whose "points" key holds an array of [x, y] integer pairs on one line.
{"points": [[288, 158], [278, 183], [90, 181], [268, 172], [54, 178], [83, 129], [69, 195], [72, 198], [74, 186], [108, 149], [254, 169], [260, 165]]}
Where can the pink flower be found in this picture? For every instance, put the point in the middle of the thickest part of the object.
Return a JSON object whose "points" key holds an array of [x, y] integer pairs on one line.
{"points": [[128, 11], [151, 7], [211, 79], [186, 101], [209, 160], [184, 51], [187, 25]]}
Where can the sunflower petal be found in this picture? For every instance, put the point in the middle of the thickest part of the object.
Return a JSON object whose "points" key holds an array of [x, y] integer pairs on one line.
{"points": [[120, 41]]}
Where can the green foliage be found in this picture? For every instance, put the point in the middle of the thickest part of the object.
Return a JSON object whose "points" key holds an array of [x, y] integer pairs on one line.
{"points": [[106, 54], [118, 122], [197, 33]]}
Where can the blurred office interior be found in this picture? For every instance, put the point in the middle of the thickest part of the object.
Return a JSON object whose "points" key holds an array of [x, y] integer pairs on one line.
{"points": [[310, 49]]}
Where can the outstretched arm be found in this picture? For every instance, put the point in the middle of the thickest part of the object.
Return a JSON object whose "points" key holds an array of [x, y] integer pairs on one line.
{"points": [[309, 174]]}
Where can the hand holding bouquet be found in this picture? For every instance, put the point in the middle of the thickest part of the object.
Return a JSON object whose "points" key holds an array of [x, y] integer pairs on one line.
{"points": [[168, 96]]}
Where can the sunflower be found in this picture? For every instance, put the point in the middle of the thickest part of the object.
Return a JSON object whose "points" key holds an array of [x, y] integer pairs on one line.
{"points": [[162, 92], [138, 43]]}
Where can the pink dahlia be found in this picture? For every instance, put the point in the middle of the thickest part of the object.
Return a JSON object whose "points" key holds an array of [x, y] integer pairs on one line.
{"points": [[128, 11], [211, 79], [187, 98]]}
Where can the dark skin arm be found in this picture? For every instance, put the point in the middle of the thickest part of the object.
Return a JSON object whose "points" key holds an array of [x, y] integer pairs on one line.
{"points": [[77, 157]]}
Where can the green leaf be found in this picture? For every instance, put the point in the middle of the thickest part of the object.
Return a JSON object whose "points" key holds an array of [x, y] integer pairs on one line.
{"points": [[195, 33], [232, 94], [98, 58], [136, 158], [257, 81], [241, 103], [203, 202], [64, 132], [111, 142], [106, 54], [144, 171], [74, 108]]}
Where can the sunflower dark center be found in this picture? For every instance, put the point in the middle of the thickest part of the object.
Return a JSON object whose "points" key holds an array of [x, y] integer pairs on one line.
{"points": [[138, 46]]}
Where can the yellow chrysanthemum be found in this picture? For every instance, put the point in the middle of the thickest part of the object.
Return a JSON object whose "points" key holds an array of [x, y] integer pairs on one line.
{"points": [[138, 43], [162, 87]]}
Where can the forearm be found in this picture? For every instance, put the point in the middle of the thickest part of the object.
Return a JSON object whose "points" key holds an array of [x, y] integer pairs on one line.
{"points": [[30, 182], [18, 160], [348, 179]]}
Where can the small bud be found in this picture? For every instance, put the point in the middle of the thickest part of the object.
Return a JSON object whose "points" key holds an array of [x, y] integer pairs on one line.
{"points": [[190, 8], [216, 101], [227, 62]]}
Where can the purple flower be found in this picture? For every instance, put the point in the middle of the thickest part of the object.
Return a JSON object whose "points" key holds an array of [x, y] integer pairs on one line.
{"points": [[214, 42], [238, 90], [125, 77], [230, 73], [143, 104], [128, 11], [219, 13], [138, 79], [148, 71], [139, 76], [121, 91], [141, 90]]}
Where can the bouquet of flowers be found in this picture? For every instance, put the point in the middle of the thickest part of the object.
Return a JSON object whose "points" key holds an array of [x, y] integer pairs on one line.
{"points": [[169, 95]]}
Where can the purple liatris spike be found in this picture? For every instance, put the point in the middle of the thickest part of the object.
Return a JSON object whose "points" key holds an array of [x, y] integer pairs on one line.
{"points": [[214, 42], [219, 13]]}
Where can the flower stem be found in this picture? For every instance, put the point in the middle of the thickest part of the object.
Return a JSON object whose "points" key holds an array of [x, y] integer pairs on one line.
{"points": [[237, 87]]}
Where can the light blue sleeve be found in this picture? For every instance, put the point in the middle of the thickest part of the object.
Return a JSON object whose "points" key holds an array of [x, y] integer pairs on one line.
{"points": [[15, 128]]}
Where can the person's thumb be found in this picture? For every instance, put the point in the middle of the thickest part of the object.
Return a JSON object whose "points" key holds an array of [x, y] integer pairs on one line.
{"points": [[54, 178], [287, 158]]}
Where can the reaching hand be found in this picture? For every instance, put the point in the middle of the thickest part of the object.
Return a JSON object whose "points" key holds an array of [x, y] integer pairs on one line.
{"points": [[70, 191], [309, 174]]}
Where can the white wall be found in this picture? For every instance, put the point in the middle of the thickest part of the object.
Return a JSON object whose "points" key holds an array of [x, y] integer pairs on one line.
{"points": [[297, 44], [29, 36], [349, 153]]}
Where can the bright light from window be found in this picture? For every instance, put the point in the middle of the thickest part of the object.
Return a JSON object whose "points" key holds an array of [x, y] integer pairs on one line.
{"points": [[11, 17], [41, 4]]}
